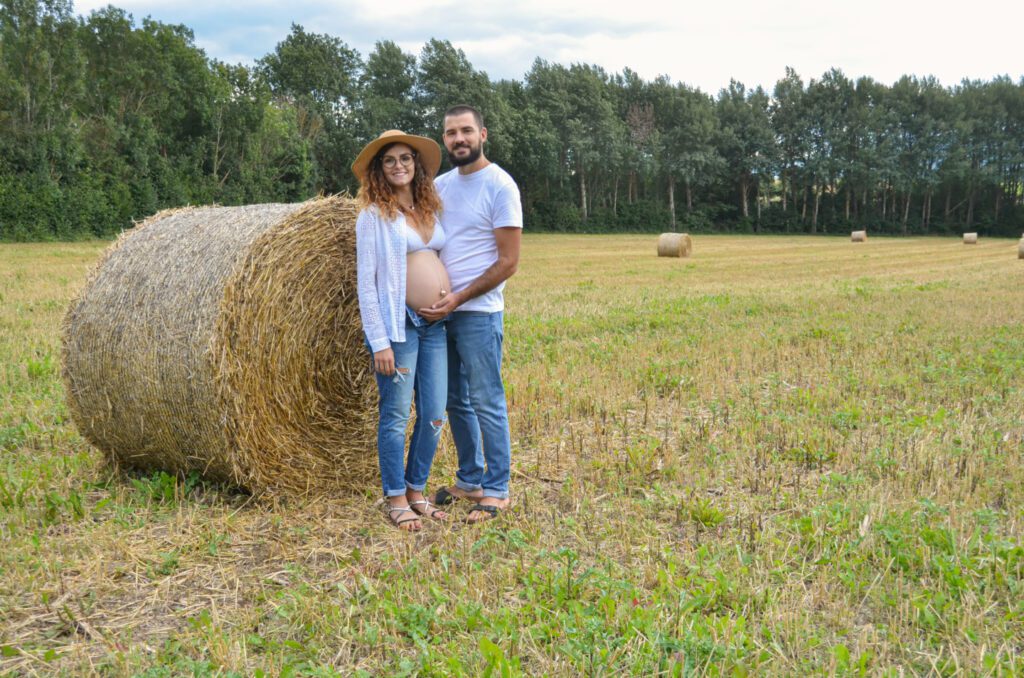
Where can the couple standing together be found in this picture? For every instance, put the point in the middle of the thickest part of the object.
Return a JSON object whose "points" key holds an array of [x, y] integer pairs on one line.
{"points": [[432, 258]]}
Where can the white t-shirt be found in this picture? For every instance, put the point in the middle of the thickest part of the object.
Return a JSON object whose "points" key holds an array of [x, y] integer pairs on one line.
{"points": [[474, 205]]}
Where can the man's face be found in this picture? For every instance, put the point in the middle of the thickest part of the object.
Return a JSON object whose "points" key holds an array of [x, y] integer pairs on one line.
{"points": [[463, 139]]}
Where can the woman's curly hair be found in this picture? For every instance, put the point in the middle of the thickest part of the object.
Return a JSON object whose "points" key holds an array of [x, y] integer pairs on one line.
{"points": [[374, 189]]}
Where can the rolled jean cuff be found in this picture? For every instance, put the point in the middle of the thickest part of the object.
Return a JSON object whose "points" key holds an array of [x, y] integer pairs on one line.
{"points": [[495, 494], [466, 486], [395, 493], [415, 488]]}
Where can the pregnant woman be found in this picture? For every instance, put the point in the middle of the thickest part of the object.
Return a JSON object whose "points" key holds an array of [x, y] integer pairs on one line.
{"points": [[398, 236]]}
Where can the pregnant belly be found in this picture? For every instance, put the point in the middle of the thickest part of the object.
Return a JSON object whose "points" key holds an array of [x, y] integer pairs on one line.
{"points": [[426, 280]]}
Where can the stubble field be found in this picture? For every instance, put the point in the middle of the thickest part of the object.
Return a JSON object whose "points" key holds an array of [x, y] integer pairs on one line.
{"points": [[782, 456]]}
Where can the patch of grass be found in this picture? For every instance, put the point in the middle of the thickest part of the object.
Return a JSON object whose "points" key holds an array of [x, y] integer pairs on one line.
{"points": [[791, 462], [40, 368]]}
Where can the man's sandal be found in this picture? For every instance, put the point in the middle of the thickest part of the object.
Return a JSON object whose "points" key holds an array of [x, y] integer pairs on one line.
{"points": [[443, 497], [391, 510], [429, 510], [491, 511]]}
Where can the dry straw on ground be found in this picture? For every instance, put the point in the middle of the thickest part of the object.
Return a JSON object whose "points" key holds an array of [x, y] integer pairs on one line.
{"points": [[858, 236], [674, 245], [970, 238], [227, 340]]}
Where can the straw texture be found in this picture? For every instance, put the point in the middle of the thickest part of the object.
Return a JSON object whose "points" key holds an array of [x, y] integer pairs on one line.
{"points": [[227, 340], [674, 245], [970, 238], [858, 236]]}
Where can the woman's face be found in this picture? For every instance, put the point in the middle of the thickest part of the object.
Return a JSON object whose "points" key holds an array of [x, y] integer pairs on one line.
{"points": [[399, 164]]}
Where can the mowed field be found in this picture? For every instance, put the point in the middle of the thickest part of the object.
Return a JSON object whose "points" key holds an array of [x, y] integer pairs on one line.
{"points": [[781, 456]]}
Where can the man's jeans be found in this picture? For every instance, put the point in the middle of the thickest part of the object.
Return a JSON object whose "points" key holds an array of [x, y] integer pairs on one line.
{"points": [[477, 410], [420, 370]]}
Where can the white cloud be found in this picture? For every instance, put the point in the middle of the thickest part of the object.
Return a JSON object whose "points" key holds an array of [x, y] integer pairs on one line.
{"points": [[701, 44]]}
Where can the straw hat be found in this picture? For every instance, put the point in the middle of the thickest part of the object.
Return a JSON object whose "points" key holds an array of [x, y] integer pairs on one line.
{"points": [[427, 149]]}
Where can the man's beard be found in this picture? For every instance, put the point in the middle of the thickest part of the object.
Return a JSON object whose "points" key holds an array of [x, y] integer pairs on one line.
{"points": [[474, 155]]}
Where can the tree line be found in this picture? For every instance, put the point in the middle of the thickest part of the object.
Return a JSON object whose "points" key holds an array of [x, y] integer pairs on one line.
{"points": [[104, 121]]}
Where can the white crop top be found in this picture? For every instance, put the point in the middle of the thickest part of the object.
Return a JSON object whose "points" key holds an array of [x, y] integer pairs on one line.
{"points": [[414, 242]]}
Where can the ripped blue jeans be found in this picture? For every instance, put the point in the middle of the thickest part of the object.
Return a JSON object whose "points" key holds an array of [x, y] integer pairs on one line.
{"points": [[421, 374]]}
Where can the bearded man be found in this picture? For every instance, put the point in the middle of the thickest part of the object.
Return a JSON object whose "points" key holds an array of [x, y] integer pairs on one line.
{"points": [[483, 220]]}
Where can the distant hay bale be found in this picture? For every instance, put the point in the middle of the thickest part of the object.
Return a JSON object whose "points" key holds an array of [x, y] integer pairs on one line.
{"points": [[970, 238], [227, 340], [674, 245], [858, 236], [1020, 249]]}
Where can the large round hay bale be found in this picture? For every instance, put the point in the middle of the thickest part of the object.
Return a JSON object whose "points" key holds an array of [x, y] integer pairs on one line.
{"points": [[674, 245], [1020, 249], [227, 340], [970, 238], [858, 236]]}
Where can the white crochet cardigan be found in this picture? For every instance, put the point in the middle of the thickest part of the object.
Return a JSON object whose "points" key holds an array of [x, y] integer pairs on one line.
{"points": [[380, 271]]}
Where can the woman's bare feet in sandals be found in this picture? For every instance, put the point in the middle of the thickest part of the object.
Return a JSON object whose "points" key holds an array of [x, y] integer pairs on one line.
{"points": [[421, 506], [401, 514]]}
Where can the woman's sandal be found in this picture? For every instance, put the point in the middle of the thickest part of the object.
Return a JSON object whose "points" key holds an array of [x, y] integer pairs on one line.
{"points": [[391, 510], [429, 510]]}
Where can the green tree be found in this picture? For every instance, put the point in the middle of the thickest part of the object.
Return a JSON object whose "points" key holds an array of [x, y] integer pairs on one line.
{"points": [[578, 106], [445, 77], [636, 107], [40, 82], [685, 140], [387, 93], [828, 102], [788, 117], [746, 140], [522, 144], [319, 75]]}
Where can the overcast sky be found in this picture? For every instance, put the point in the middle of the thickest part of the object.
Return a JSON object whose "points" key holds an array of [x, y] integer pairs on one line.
{"points": [[703, 45]]}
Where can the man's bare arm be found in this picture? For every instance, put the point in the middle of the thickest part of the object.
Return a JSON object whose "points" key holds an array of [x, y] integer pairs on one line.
{"points": [[508, 240]]}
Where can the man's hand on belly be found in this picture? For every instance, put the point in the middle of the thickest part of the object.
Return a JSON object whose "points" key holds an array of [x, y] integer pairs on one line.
{"points": [[441, 308]]}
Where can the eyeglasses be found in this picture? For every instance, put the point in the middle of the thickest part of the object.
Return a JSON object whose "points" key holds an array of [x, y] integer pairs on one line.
{"points": [[390, 161]]}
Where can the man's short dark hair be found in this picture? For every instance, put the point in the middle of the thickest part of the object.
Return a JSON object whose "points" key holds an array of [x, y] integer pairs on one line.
{"points": [[461, 109]]}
